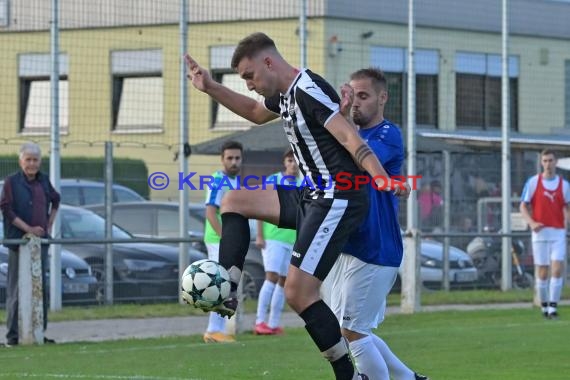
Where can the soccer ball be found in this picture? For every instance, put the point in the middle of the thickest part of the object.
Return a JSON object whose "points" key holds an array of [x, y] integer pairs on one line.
{"points": [[205, 284]]}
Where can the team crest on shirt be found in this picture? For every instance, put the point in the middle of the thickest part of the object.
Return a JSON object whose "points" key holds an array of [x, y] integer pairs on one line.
{"points": [[290, 131], [291, 109], [290, 124]]}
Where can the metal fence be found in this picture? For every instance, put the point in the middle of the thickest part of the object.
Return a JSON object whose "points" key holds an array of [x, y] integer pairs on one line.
{"points": [[120, 79]]}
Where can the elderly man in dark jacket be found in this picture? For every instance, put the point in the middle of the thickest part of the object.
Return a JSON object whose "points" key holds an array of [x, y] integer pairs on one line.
{"points": [[29, 204]]}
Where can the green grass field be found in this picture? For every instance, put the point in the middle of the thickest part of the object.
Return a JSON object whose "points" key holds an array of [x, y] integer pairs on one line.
{"points": [[476, 345]]}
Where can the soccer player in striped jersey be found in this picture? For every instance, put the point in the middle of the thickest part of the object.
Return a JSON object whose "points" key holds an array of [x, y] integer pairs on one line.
{"points": [[325, 146], [364, 274]]}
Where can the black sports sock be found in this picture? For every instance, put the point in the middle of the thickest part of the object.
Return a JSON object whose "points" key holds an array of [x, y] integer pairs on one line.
{"points": [[235, 241], [323, 328]]}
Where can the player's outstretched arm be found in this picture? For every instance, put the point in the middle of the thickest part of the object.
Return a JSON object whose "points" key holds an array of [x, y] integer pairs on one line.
{"points": [[239, 104], [360, 151]]}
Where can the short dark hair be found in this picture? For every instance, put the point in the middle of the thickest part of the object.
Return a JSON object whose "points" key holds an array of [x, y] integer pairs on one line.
{"points": [[250, 46], [546, 152], [288, 153], [375, 74], [230, 144]]}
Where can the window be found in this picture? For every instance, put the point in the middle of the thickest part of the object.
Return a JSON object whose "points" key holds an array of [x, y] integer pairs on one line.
{"points": [[220, 62], [136, 221], [138, 91], [393, 61], [168, 223], [93, 195], [478, 90], [123, 195], [4, 13], [71, 196], [35, 93]]}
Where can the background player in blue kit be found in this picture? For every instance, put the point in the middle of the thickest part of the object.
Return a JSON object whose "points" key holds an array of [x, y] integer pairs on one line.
{"points": [[224, 181], [325, 145], [362, 277]]}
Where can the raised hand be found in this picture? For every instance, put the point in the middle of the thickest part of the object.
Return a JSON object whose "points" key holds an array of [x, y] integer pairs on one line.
{"points": [[346, 99], [200, 77]]}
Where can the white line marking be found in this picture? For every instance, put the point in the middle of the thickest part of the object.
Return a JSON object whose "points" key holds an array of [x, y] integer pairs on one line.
{"points": [[78, 376]]}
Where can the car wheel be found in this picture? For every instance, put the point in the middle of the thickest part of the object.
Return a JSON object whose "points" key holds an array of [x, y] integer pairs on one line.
{"points": [[253, 276]]}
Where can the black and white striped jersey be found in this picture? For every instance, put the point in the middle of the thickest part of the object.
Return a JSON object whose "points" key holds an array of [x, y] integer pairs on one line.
{"points": [[306, 107]]}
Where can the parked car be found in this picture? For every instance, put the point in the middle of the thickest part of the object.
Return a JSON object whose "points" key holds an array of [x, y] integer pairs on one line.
{"points": [[78, 283], [462, 272], [141, 271], [160, 219], [79, 192]]}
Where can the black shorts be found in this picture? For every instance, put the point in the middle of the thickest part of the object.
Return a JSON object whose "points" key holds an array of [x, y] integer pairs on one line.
{"points": [[323, 226]]}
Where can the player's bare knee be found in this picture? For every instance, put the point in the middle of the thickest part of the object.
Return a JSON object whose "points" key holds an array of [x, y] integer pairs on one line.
{"points": [[271, 277], [351, 336], [294, 299], [234, 201], [290, 296]]}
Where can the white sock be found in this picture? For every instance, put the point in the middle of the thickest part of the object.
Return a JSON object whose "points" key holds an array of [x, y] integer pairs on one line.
{"points": [[368, 360], [542, 289], [398, 370], [264, 300], [216, 323], [277, 303], [555, 289]]}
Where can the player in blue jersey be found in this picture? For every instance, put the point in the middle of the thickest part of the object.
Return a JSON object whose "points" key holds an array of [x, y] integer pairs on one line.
{"points": [[366, 270], [224, 181], [325, 146]]}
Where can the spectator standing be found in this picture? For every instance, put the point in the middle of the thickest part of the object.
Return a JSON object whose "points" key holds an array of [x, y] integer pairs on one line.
{"points": [[29, 204]]}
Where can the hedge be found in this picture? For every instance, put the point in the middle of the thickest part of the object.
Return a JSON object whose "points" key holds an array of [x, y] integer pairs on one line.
{"points": [[127, 172]]}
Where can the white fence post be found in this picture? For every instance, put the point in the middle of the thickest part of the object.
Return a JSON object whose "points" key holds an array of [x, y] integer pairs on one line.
{"points": [[30, 293], [411, 282]]}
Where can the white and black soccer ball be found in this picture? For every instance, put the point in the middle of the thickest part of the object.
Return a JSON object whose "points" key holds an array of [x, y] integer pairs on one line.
{"points": [[205, 283]]}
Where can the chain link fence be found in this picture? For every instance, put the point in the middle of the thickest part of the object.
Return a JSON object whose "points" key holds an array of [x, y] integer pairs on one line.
{"points": [[119, 80]]}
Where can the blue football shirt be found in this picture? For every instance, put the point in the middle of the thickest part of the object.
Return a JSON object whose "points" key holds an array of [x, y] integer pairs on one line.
{"points": [[378, 240]]}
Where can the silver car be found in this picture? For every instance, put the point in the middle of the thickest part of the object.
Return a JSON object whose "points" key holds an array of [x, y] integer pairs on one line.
{"points": [[462, 272]]}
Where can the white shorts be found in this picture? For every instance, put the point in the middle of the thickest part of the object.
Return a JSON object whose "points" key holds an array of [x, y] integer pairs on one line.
{"points": [[213, 251], [277, 256], [545, 251], [356, 292]]}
